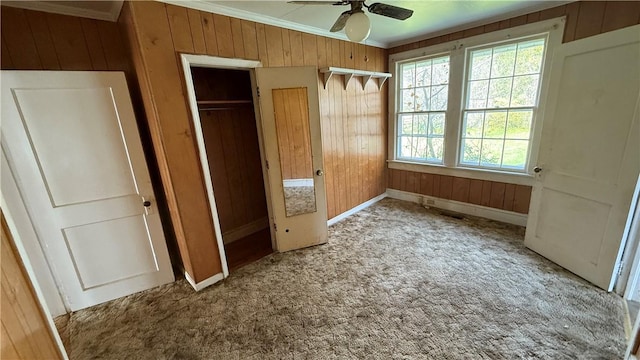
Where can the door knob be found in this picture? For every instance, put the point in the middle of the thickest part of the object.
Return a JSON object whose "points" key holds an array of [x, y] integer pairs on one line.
{"points": [[319, 172], [537, 169]]}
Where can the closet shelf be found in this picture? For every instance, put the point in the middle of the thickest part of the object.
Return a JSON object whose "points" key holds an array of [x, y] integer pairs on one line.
{"points": [[222, 104], [350, 73]]}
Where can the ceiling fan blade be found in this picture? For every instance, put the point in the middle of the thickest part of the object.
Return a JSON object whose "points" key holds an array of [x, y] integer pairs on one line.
{"points": [[341, 22], [319, 2], [390, 11]]}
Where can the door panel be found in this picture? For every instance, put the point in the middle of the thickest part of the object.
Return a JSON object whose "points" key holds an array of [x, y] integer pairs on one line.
{"points": [[589, 155], [72, 141], [290, 115]]}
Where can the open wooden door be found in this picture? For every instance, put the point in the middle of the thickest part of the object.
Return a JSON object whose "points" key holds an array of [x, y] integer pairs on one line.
{"points": [[589, 157], [290, 114]]}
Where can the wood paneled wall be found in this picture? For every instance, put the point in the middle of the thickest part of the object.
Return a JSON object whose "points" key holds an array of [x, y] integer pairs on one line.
{"points": [[231, 139], [25, 333], [290, 110], [353, 120], [494, 194], [584, 19], [34, 40]]}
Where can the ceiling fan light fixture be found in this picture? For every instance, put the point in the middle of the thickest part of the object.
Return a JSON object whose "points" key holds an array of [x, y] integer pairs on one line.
{"points": [[358, 27]]}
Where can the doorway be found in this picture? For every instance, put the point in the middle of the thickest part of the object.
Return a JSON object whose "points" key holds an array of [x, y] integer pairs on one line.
{"points": [[228, 122]]}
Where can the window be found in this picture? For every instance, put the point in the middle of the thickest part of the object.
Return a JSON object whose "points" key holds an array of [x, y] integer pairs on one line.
{"points": [[472, 104], [501, 95], [424, 89]]}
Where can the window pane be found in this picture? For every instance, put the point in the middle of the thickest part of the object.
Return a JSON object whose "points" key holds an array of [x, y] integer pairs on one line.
{"points": [[408, 76], [423, 73], [515, 154], [422, 98], [439, 96], [473, 123], [471, 151], [525, 90], [529, 59], [499, 93], [504, 58], [478, 91], [407, 124], [436, 124], [440, 71], [405, 146], [421, 148], [407, 100], [491, 153], [420, 123], [519, 124], [494, 125], [435, 149], [480, 64]]}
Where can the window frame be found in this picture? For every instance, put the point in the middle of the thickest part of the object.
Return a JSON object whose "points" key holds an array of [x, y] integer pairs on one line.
{"points": [[457, 51]]}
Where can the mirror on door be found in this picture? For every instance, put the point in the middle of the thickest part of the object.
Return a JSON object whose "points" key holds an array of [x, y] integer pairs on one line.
{"points": [[291, 111]]}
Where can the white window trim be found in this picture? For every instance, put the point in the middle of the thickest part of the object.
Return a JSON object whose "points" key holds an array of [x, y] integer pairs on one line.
{"points": [[457, 51]]}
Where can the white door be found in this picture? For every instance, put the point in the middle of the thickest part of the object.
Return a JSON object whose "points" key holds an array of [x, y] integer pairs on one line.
{"points": [[290, 112], [589, 155], [73, 145]]}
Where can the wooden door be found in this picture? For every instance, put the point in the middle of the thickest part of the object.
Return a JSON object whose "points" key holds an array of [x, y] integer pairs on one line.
{"points": [[590, 155], [290, 113], [72, 144]]}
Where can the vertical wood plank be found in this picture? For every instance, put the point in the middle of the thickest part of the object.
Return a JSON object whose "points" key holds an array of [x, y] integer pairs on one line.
{"points": [[475, 191], [69, 42], [410, 181], [426, 184], [446, 186], [180, 28], [114, 51], [286, 48], [42, 37], [517, 21], [509, 194], [553, 12], [486, 193], [197, 35], [309, 49], [297, 52], [396, 179], [572, 10], [94, 45], [5, 62], [521, 199], [619, 14], [460, 191], [19, 39], [590, 18], [209, 30], [497, 195], [321, 51], [250, 40], [274, 46], [237, 39], [436, 185], [224, 36], [262, 44]]}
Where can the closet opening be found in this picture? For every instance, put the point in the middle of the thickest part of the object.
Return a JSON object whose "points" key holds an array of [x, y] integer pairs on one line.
{"points": [[226, 109]]}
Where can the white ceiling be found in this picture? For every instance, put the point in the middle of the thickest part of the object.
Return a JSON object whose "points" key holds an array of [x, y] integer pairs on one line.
{"points": [[430, 17]]}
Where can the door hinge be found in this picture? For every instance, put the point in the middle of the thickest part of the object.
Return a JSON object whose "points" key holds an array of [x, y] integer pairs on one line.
{"points": [[620, 267], [275, 227], [267, 164], [258, 90]]}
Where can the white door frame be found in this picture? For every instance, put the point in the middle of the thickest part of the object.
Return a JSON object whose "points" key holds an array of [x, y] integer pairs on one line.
{"points": [[206, 61], [629, 278]]}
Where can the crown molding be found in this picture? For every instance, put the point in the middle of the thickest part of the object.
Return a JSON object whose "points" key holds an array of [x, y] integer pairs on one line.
{"points": [[60, 8], [247, 15]]}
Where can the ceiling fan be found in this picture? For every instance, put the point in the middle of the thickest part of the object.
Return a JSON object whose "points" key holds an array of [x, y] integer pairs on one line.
{"points": [[355, 22]]}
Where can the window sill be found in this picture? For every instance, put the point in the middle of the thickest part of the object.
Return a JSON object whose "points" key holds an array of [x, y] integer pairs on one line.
{"points": [[479, 174]]}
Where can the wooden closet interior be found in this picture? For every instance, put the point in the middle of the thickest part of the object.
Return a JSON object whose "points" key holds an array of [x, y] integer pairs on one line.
{"points": [[226, 109]]}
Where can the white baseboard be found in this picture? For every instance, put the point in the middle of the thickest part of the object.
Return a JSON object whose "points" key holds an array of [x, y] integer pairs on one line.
{"points": [[297, 182], [245, 230], [204, 283], [509, 217], [350, 212]]}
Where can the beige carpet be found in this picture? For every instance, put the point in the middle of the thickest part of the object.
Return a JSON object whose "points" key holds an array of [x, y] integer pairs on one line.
{"points": [[395, 281]]}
